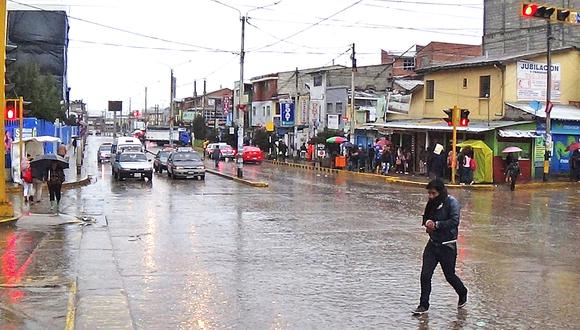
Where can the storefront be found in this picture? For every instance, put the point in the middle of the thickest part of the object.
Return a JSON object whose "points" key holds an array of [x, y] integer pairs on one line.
{"points": [[564, 133]]}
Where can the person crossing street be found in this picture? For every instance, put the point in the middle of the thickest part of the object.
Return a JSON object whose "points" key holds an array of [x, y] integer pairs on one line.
{"points": [[441, 219]]}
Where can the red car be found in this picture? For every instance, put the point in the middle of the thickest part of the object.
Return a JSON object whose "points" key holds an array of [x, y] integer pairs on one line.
{"points": [[253, 155]]}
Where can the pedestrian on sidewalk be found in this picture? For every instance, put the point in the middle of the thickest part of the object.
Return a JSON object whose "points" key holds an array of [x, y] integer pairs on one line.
{"points": [[467, 168], [575, 165], [216, 155], [400, 161], [371, 153], [55, 181], [386, 161], [26, 176], [441, 220], [39, 176], [437, 163]]}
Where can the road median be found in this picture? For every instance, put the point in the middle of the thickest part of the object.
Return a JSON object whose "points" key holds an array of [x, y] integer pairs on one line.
{"points": [[256, 184]]}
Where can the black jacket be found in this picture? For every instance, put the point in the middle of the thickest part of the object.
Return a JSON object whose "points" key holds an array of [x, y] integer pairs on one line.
{"points": [[446, 218]]}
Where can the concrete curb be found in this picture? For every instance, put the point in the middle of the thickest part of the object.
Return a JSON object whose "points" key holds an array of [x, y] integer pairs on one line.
{"points": [[11, 220], [67, 185], [397, 180], [233, 178]]}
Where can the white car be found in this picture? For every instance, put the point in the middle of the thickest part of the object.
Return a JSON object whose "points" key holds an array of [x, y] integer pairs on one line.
{"points": [[132, 165]]}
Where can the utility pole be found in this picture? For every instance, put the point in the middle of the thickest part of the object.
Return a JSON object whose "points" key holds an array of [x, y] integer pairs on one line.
{"points": [[296, 99], [171, 111], [548, 139], [145, 110], [157, 114], [352, 95], [240, 115], [114, 124]]}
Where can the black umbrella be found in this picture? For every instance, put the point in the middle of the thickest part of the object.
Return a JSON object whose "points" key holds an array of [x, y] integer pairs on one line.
{"points": [[44, 162]]}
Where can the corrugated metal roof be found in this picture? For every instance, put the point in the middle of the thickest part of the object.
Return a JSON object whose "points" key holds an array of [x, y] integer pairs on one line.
{"points": [[441, 125], [514, 133], [409, 85], [559, 111]]}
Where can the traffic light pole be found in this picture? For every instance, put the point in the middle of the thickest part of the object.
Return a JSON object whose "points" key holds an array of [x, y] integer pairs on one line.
{"points": [[21, 128], [548, 139], [6, 210], [455, 120]]}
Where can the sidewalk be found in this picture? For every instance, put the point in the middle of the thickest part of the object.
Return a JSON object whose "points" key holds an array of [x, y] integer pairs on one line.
{"points": [[72, 179], [419, 180]]}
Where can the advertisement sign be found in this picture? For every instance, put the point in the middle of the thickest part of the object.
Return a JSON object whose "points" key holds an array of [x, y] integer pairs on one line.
{"points": [[532, 81], [188, 116], [399, 103], [116, 106], [287, 114], [333, 122]]}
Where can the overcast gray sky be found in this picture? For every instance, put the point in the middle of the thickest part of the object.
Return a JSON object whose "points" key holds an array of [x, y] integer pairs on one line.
{"points": [[107, 64]]}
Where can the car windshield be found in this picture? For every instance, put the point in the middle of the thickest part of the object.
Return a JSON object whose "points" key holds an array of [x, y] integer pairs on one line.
{"points": [[129, 148], [132, 158], [224, 146], [105, 148], [164, 155], [186, 156]]}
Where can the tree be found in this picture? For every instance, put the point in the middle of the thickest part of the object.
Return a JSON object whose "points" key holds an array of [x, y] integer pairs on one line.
{"points": [[199, 128], [40, 90], [262, 139]]}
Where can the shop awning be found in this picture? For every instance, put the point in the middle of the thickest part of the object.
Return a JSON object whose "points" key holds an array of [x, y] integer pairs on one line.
{"points": [[559, 111], [508, 133], [441, 125]]}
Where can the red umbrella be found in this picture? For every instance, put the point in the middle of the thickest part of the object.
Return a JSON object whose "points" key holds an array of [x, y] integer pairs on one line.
{"points": [[573, 147], [384, 142]]}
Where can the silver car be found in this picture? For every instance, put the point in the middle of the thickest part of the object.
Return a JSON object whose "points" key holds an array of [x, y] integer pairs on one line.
{"points": [[104, 153], [132, 165], [187, 165]]}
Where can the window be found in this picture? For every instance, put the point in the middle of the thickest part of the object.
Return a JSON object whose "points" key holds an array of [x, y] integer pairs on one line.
{"points": [[263, 111], [277, 110], [329, 108], [409, 64], [254, 111], [317, 80], [484, 86], [429, 89], [464, 82], [339, 108], [266, 85], [268, 111]]}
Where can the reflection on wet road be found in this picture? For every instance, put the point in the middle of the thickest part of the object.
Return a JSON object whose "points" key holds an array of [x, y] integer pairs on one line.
{"points": [[311, 251]]}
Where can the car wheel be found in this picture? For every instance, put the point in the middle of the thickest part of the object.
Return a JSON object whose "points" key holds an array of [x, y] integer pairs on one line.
{"points": [[160, 170], [150, 177], [202, 178]]}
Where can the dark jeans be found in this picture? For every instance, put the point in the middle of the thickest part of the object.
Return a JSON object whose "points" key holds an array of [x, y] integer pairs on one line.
{"points": [[446, 255], [54, 190]]}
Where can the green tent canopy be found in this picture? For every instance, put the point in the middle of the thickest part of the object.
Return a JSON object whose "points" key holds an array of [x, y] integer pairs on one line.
{"points": [[483, 157]]}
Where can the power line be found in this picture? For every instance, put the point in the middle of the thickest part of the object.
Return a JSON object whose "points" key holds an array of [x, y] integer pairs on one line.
{"points": [[128, 31], [442, 4], [310, 26]]}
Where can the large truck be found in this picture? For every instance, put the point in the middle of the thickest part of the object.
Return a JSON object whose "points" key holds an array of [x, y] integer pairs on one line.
{"points": [[160, 134]]}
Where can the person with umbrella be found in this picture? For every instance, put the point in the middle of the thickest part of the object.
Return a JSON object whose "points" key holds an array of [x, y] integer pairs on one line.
{"points": [[41, 171], [55, 180]]}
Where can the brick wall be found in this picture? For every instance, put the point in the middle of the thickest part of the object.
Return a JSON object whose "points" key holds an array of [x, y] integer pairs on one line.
{"points": [[437, 53], [507, 32]]}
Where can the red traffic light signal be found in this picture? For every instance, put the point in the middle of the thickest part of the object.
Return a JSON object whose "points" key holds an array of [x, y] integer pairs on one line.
{"points": [[529, 9], [464, 120], [11, 111]]}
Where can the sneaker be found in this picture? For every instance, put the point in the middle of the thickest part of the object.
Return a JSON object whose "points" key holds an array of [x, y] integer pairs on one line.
{"points": [[420, 310], [462, 301]]}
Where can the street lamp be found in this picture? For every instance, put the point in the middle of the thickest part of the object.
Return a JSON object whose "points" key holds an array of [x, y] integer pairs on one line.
{"points": [[241, 119]]}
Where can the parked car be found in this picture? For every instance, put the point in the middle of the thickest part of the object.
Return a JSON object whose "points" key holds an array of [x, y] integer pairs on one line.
{"points": [[226, 150], [187, 165], [160, 161], [253, 155], [104, 153], [132, 164]]}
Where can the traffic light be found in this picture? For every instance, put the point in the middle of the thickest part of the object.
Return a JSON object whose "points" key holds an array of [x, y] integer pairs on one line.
{"points": [[449, 119], [11, 112], [529, 9], [559, 15], [464, 120]]}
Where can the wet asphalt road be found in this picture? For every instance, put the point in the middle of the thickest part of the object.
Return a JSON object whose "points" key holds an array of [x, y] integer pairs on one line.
{"points": [[312, 251]]}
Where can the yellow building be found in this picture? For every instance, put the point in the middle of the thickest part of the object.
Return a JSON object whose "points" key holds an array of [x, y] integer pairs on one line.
{"points": [[506, 97]]}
